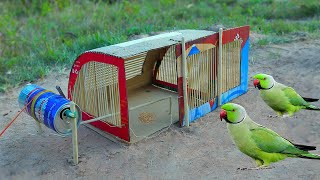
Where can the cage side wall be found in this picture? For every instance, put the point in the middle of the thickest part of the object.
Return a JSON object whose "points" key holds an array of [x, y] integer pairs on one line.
{"points": [[232, 35], [229, 36], [206, 107], [243, 87]]}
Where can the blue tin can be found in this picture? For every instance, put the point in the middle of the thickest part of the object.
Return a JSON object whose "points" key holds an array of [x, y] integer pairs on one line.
{"points": [[48, 108]]}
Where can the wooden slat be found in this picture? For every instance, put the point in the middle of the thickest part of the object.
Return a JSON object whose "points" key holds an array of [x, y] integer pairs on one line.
{"points": [[167, 71], [201, 81], [231, 61], [133, 65]]}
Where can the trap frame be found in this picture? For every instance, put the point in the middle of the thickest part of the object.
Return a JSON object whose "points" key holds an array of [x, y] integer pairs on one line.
{"points": [[138, 86]]}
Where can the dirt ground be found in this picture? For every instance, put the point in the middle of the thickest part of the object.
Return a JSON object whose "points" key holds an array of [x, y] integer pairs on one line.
{"points": [[202, 151]]}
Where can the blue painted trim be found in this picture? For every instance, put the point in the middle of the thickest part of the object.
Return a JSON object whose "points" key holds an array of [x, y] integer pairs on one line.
{"points": [[215, 105], [201, 111], [243, 88], [194, 50]]}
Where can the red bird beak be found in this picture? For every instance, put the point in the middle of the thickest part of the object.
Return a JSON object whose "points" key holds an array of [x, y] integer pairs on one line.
{"points": [[256, 82], [223, 115]]}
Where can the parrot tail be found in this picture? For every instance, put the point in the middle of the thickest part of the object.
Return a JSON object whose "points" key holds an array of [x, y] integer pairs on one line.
{"points": [[305, 147], [310, 156], [310, 99], [312, 107]]}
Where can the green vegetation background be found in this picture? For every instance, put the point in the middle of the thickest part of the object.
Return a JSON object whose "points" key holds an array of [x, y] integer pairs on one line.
{"points": [[38, 37]]}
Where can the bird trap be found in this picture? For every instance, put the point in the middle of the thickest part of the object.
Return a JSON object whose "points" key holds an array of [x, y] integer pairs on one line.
{"points": [[139, 87]]}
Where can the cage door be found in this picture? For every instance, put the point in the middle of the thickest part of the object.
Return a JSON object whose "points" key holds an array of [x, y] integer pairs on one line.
{"points": [[96, 91]]}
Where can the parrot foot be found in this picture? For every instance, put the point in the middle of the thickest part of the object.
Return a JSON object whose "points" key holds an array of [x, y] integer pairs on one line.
{"points": [[256, 168]]}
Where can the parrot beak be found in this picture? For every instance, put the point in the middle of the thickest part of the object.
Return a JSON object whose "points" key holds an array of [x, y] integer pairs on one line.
{"points": [[256, 82], [223, 115]]}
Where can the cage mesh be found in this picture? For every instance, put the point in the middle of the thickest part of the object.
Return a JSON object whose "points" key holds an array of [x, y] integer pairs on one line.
{"points": [[168, 69], [96, 91], [134, 65], [202, 81], [230, 65]]}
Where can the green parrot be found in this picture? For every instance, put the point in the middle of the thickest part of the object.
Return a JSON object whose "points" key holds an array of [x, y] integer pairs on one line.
{"points": [[260, 143], [281, 98]]}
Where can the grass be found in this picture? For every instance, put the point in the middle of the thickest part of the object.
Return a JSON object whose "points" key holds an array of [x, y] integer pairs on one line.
{"points": [[38, 37]]}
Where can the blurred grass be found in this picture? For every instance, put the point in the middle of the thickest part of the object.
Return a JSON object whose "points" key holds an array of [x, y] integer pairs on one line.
{"points": [[42, 36]]}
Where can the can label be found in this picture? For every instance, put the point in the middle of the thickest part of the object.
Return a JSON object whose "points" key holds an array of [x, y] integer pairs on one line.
{"points": [[56, 105], [30, 97], [46, 107], [40, 106]]}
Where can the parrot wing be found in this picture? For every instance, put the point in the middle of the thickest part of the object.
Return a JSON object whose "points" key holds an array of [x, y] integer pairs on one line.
{"points": [[294, 98], [271, 142]]}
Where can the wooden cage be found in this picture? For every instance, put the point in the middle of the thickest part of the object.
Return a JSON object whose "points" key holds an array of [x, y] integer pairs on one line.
{"points": [[136, 87]]}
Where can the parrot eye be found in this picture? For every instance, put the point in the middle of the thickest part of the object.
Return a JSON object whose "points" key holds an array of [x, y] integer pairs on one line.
{"points": [[264, 78], [233, 110]]}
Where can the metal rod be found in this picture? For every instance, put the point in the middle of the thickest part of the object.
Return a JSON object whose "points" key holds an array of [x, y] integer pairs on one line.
{"points": [[220, 66], [96, 119], [184, 77], [74, 134], [60, 91]]}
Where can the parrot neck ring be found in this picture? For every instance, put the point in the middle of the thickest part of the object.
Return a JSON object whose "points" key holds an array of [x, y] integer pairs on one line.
{"points": [[260, 88], [227, 120], [237, 121]]}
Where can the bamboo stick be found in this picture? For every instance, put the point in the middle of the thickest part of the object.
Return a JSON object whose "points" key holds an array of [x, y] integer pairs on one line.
{"points": [[74, 134], [220, 65], [184, 76]]}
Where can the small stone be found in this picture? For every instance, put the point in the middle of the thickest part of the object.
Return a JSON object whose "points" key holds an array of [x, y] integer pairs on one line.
{"points": [[5, 113]]}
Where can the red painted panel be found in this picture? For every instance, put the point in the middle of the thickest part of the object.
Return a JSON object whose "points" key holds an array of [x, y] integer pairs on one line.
{"points": [[180, 100], [231, 34], [211, 39], [122, 132]]}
